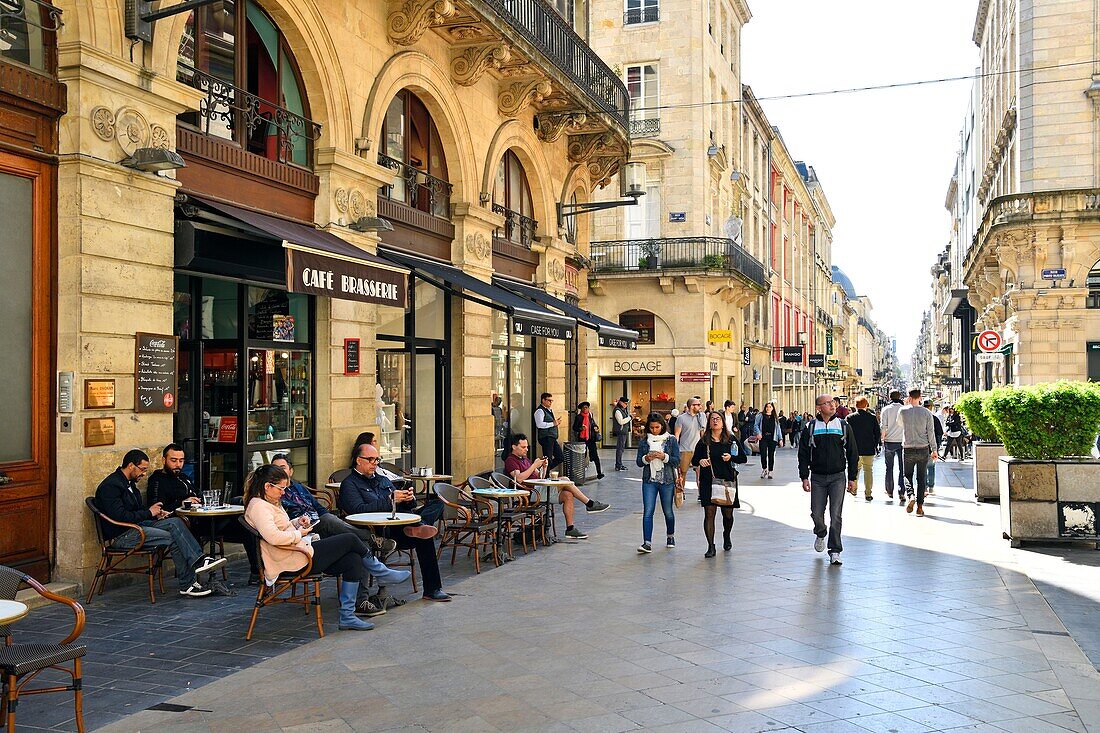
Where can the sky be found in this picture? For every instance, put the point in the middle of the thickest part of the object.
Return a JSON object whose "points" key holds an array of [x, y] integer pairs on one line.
{"points": [[884, 158]]}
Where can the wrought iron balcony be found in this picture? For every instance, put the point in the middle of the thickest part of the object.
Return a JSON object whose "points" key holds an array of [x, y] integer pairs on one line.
{"points": [[634, 16], [259, 126], [518, 229], [645, 128], [413, 187], [677, 253]]}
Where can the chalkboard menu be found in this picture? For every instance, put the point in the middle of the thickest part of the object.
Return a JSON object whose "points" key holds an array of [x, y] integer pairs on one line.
{"points": [[351, 356], [155, 373]]}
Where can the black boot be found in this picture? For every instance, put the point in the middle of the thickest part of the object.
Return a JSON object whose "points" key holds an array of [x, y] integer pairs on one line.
{"points": [[710, 551]]}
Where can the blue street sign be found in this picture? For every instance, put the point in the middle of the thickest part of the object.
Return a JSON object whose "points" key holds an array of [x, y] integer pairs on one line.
{"points": [[1058, 273]]}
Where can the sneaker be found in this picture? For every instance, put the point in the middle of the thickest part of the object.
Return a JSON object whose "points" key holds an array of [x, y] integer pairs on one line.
{"points": [[929, 491], [920, 511], [819, 544], [206, 563], [645, 549], [834, 558], [912, 503], [868, 497], [575, 534], [597, 507], [599, 476], [620, 468], [763, 474], [770, 475], [889, 494], [253, 578], [670, 541], [368, 609], [196, 590]]}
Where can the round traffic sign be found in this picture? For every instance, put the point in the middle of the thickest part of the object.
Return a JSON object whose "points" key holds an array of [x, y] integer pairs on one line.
{"points": [[989, 341]]}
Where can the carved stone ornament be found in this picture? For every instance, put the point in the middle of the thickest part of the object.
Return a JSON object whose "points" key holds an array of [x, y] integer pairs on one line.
{"points": [[103, 123], [468, 67], [1054, 324], [516, 71], [553, 125], [600, 170], [159, 137], [408, 24], [478, 247], [353, 202], [584, 147], [519, 95], [129, 128], [556, 270], [467, 33]]}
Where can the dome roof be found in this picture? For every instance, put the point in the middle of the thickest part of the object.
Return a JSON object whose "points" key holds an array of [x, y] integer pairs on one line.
{"points": [[845, 282]]}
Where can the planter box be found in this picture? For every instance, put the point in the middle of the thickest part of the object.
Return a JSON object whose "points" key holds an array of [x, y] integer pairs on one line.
{"points": [[986, 476], [1050, 501]]}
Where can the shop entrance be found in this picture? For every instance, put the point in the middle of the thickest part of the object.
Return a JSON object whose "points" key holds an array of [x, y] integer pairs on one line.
{"points": [[644, 395]]}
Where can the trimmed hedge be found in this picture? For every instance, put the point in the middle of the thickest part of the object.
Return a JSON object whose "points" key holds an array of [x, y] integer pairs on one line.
{"points": [[970, 405], [1045, 421]]}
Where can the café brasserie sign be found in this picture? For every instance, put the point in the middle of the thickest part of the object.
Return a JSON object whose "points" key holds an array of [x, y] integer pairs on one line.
{"points": [[315, 274]]}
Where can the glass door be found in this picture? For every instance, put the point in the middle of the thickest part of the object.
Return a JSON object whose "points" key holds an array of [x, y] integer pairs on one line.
{"points": [[221, 416], [429, 426], [392, 392]]}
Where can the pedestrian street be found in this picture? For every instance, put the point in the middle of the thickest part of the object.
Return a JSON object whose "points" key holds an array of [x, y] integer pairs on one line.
{"points": [[929, 625]]}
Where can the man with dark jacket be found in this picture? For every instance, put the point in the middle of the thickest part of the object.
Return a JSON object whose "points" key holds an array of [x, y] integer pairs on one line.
{"points": [[118, 498], [865, 427], [827, 459], [937, 426]]}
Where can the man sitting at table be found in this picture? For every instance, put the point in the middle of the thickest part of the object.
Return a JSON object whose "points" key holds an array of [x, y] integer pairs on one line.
{"points": [[519, 466], [364, 490], [170, 487], [297, 501], [118, 497]]}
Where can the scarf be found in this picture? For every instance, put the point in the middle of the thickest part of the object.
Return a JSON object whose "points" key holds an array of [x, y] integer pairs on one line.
{"points": [[656, 443]]}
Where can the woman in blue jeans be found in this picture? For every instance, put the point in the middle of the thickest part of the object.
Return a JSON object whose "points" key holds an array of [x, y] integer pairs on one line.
{"points": [[659, 457]]}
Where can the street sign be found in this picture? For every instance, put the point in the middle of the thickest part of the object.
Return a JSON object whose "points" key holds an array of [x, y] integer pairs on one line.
{"points": [[816, 360], [694, 376], [989, 341], [988, 358], [1054, 273]]}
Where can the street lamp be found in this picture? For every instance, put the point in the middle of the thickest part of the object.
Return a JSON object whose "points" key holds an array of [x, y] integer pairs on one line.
{"points": [[632, 183], [154, 160]]}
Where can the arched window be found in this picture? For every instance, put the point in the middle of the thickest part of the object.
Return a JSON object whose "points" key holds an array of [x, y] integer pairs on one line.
{"points": [[1092, 282], [411, 147], [641, 321], [28, 33], [235, 53], [512, 199]]}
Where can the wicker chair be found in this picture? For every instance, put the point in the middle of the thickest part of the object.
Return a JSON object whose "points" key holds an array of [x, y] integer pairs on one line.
{"points": [[304, 586], [112, 558], [533, 504], [21, 663], [463, 526], [515, 517]]}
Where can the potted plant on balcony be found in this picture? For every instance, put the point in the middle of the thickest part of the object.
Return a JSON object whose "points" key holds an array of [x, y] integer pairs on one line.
{"points": [[651, 253], [714, 262], [1049, 483], [986, 443]]}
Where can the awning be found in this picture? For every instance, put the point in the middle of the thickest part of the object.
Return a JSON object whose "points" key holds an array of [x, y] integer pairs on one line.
{"points": [[610, 334], [958, 298], [320, 263], [528, 318]]}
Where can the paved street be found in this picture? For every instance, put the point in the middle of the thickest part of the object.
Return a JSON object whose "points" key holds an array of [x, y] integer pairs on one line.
{"points": [[928, 626]]}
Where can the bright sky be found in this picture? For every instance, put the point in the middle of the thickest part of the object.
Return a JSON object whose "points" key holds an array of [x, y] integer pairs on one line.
{"points": [[885, 157]]}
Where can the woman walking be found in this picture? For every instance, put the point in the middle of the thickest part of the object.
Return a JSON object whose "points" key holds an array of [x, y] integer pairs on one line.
{"points": [[587, 431], [766, 428], [715, 455], [658, 457], [955, 438]]}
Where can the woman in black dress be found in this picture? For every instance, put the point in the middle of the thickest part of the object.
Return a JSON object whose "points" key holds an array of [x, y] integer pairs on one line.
{"points": [[715, 454]]}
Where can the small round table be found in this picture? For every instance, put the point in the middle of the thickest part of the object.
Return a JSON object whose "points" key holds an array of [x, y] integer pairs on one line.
{"points": [[228, 510], [382, 519], [11, 611], [499, 495], [549, 483], [428, 481]]}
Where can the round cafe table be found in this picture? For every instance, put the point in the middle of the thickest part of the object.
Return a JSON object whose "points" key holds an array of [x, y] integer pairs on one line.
{"points": [[382, 519], [11, 611], [212, 514], [549, 483], [427, 481], [499, 495]]}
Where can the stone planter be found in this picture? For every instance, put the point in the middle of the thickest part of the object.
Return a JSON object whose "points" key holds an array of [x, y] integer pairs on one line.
{"points": [[1050, 501], [986, 478]]}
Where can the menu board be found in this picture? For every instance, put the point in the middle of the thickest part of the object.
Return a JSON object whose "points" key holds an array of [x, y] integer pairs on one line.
{"points": [[155, 373]]}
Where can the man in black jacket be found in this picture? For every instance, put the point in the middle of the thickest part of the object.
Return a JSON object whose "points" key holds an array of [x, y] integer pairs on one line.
{"points": [[868, 434], [827, 455], [118, 497]]}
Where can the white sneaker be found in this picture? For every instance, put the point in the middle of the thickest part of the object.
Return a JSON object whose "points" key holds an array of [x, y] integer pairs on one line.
{"points": [[834, 558], [819, 544], [196, 590], [209, 563], [763, 474]]}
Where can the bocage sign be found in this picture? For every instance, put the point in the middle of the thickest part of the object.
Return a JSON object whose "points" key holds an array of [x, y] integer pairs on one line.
{"points": [[638, 367]]}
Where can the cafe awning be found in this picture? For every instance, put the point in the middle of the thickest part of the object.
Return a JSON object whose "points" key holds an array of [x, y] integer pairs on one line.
{"points": [[320, 263], [609, 333], [528, 318]]}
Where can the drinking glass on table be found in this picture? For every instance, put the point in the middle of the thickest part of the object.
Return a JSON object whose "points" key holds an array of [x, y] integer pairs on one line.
{"points": [[209, 498]]}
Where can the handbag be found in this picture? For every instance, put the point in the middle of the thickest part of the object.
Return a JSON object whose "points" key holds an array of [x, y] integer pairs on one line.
{"points": [[678, 497], [723, 492]]}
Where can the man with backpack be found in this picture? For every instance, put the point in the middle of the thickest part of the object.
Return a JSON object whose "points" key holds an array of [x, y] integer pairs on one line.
{"points": [[828, 462]]}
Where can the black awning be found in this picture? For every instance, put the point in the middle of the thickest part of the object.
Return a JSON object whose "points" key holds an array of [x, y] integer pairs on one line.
{"points": [[528, 318], [610, 334], [957, 301], [320, 263]]}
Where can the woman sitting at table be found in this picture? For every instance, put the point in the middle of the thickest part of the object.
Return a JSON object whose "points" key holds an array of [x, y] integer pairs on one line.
{"points": [[337, 555]]}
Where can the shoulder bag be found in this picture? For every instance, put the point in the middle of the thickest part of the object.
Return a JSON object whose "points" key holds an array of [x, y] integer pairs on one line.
{"points": [[723, 491]]}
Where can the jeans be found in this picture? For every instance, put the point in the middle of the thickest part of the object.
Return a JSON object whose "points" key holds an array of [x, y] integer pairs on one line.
{"points": [[649, 505], [893, 451], [552, 450], [173, 534], [867, 468], [828, 489], [931, 475], [916, 460], [767, 452], [620, 446]]}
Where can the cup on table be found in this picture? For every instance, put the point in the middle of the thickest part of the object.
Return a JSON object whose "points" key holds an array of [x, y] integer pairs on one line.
{"points": [[210, 498], [554, 474]]}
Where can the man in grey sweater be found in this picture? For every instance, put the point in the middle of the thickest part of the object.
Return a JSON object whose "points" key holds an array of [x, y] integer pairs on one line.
{"points": [[918, 447]]}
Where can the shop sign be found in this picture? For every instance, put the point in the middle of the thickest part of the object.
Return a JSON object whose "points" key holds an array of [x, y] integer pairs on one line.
{"points": [[99, 431], [792, 354], [351, 356], [617, 342], [720, 337], [828, 343], [155, 372], [572, 278], [315, 274], [989, 358], [99, 393], [834, 364], [746, 356], [694, 376], [817, 360], [943, 349], [644, 367], [529, 327], [952, 381]]}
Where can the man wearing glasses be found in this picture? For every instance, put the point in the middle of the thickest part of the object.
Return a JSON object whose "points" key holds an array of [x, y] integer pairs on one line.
{"points": [[827, 460], [365, 490]]}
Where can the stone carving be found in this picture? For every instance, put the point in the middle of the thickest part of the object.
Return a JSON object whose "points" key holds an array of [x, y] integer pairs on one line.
{"points": [[552, 125], [600, 170], [129, 128], [470, 65], [519, 95], [103, 123], [408, 24], [516, 71], [584, 147], [556, 270], [353, 202], [477, 245], [159, 137], [467, 33], [340, 198]]}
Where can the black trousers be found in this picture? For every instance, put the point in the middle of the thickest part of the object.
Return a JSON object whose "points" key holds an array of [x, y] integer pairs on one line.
{"points": [[767, 452], [594, 454], [552, 450], [425, 556], [341, 554], [230, 530]]}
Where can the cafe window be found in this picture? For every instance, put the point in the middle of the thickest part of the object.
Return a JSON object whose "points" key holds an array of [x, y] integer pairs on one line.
{"points": [[513, 383], [412, 148], [28, 33], [641, 321]]}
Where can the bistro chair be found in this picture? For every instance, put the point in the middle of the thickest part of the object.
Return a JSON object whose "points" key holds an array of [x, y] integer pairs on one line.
{"points": [[113, 557], [20, 664], [514, 516], [304, 586], [532, 505], [462, 527]]}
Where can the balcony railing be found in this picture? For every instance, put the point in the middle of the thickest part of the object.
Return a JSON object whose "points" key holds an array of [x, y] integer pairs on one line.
{"points": [[641, 15], [645, 128], [677, 253], [413, 187], [518, 229], [540, 25], [258, 125]]}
